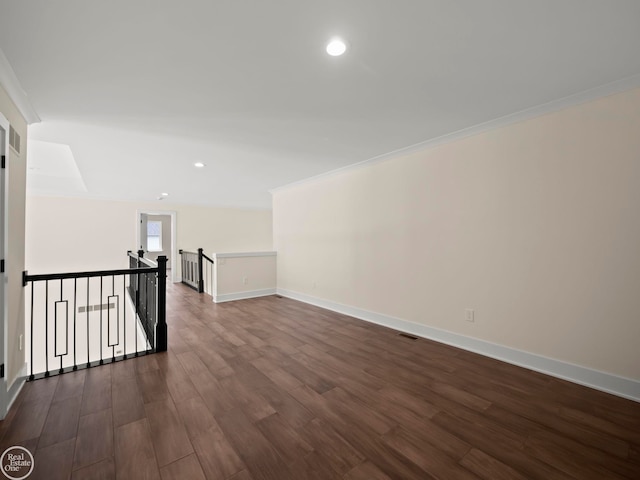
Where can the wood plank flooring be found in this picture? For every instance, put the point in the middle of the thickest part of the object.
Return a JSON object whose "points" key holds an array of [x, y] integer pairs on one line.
{"points": [[271, 388]]}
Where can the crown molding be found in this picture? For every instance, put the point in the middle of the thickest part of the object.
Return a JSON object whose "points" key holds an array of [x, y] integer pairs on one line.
{"points": [[618, 86], [15, 91]]}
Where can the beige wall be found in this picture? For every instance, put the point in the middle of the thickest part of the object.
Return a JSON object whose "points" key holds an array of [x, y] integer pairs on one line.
{"points": [[535, 225], [15, 246], [244, 275], [69, 234]]}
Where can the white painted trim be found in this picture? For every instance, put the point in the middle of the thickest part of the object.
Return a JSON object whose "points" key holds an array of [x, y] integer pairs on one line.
{"points": [[244, 254], [611, 88], [15, 91], [4, 242], [229, 297], [606, 382], [14, 390]]}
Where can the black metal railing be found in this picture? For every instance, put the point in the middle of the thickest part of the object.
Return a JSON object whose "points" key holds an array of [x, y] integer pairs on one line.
{"points": [[197, 270], [142, 291], [83, 319]]}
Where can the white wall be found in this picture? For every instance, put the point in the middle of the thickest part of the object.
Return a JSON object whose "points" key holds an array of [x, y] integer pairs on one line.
{"points": [[535, 226], [15, 240], [74, 234]]}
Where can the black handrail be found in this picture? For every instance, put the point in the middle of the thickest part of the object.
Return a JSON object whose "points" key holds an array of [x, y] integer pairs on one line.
{"points": [[97, 273], [142, 259], [63, 310]]}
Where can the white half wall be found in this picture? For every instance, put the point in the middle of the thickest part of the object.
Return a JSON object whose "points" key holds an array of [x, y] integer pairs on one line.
{"points": [[244, 275]]}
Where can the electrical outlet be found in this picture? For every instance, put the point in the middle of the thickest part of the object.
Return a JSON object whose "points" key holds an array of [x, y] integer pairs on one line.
{"points": [[469, 315], [245, 280]]}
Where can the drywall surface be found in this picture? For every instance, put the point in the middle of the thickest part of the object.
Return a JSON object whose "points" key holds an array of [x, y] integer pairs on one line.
{"points": [[74, 234], [16, 171], [244, 275], [534, 226]]}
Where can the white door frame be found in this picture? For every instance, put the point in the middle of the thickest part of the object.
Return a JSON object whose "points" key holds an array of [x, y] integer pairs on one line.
{"points": [[174, 243], [4, 313]]}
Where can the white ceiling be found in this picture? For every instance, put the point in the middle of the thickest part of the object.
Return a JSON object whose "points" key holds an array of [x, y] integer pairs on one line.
{"points": [[141, 90]]}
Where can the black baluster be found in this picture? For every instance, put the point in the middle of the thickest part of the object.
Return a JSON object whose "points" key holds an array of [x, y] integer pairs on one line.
{"points": [[56, 331], [32, 331], [101, 309], [46, 327], [88, 344], [124, 314], [75, 309]]}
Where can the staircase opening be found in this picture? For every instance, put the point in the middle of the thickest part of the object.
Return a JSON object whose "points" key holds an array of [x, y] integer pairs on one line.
{"points": [[84, 319]]}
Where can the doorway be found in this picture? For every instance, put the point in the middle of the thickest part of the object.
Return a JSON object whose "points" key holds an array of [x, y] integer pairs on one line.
{"points": [[156, 235]]}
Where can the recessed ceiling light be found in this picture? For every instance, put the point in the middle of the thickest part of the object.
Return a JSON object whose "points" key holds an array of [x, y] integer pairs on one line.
{"points": [[199, 165], [164, 194], [336, 47]]}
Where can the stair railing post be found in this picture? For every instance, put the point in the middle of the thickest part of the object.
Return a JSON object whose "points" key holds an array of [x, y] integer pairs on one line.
{"points": [[161, 326], [200, 275]]}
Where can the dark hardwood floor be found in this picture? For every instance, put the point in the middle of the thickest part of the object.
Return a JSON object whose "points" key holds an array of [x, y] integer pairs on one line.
{"points": [[271, 388]]}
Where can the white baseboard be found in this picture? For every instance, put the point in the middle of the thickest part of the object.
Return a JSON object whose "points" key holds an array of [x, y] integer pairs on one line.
{"points": [[606, 382], [14, 390], [229, 297]]}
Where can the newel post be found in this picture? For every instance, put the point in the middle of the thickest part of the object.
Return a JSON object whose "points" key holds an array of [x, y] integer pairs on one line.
{"points": [[161, 326], [200, 276]]}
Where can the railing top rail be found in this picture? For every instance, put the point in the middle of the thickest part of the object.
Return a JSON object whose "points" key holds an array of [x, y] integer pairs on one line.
{"points": [[204, 255], [146, 261], [96, 273]]}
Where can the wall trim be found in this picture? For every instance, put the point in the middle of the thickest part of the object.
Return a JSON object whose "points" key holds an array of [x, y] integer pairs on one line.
{"points": [[230, 297], [14, 390], [618, 86], [245, 254], [16, 93], [606, 382]]}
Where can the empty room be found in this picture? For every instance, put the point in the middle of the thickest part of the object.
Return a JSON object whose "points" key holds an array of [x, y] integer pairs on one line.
{"points": [[357, 240]]}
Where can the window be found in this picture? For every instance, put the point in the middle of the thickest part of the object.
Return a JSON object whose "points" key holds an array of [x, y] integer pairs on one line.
{"points": [[154, 236]]}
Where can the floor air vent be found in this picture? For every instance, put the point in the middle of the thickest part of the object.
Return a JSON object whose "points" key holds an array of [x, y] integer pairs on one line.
{"points": [[406, 335]]}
